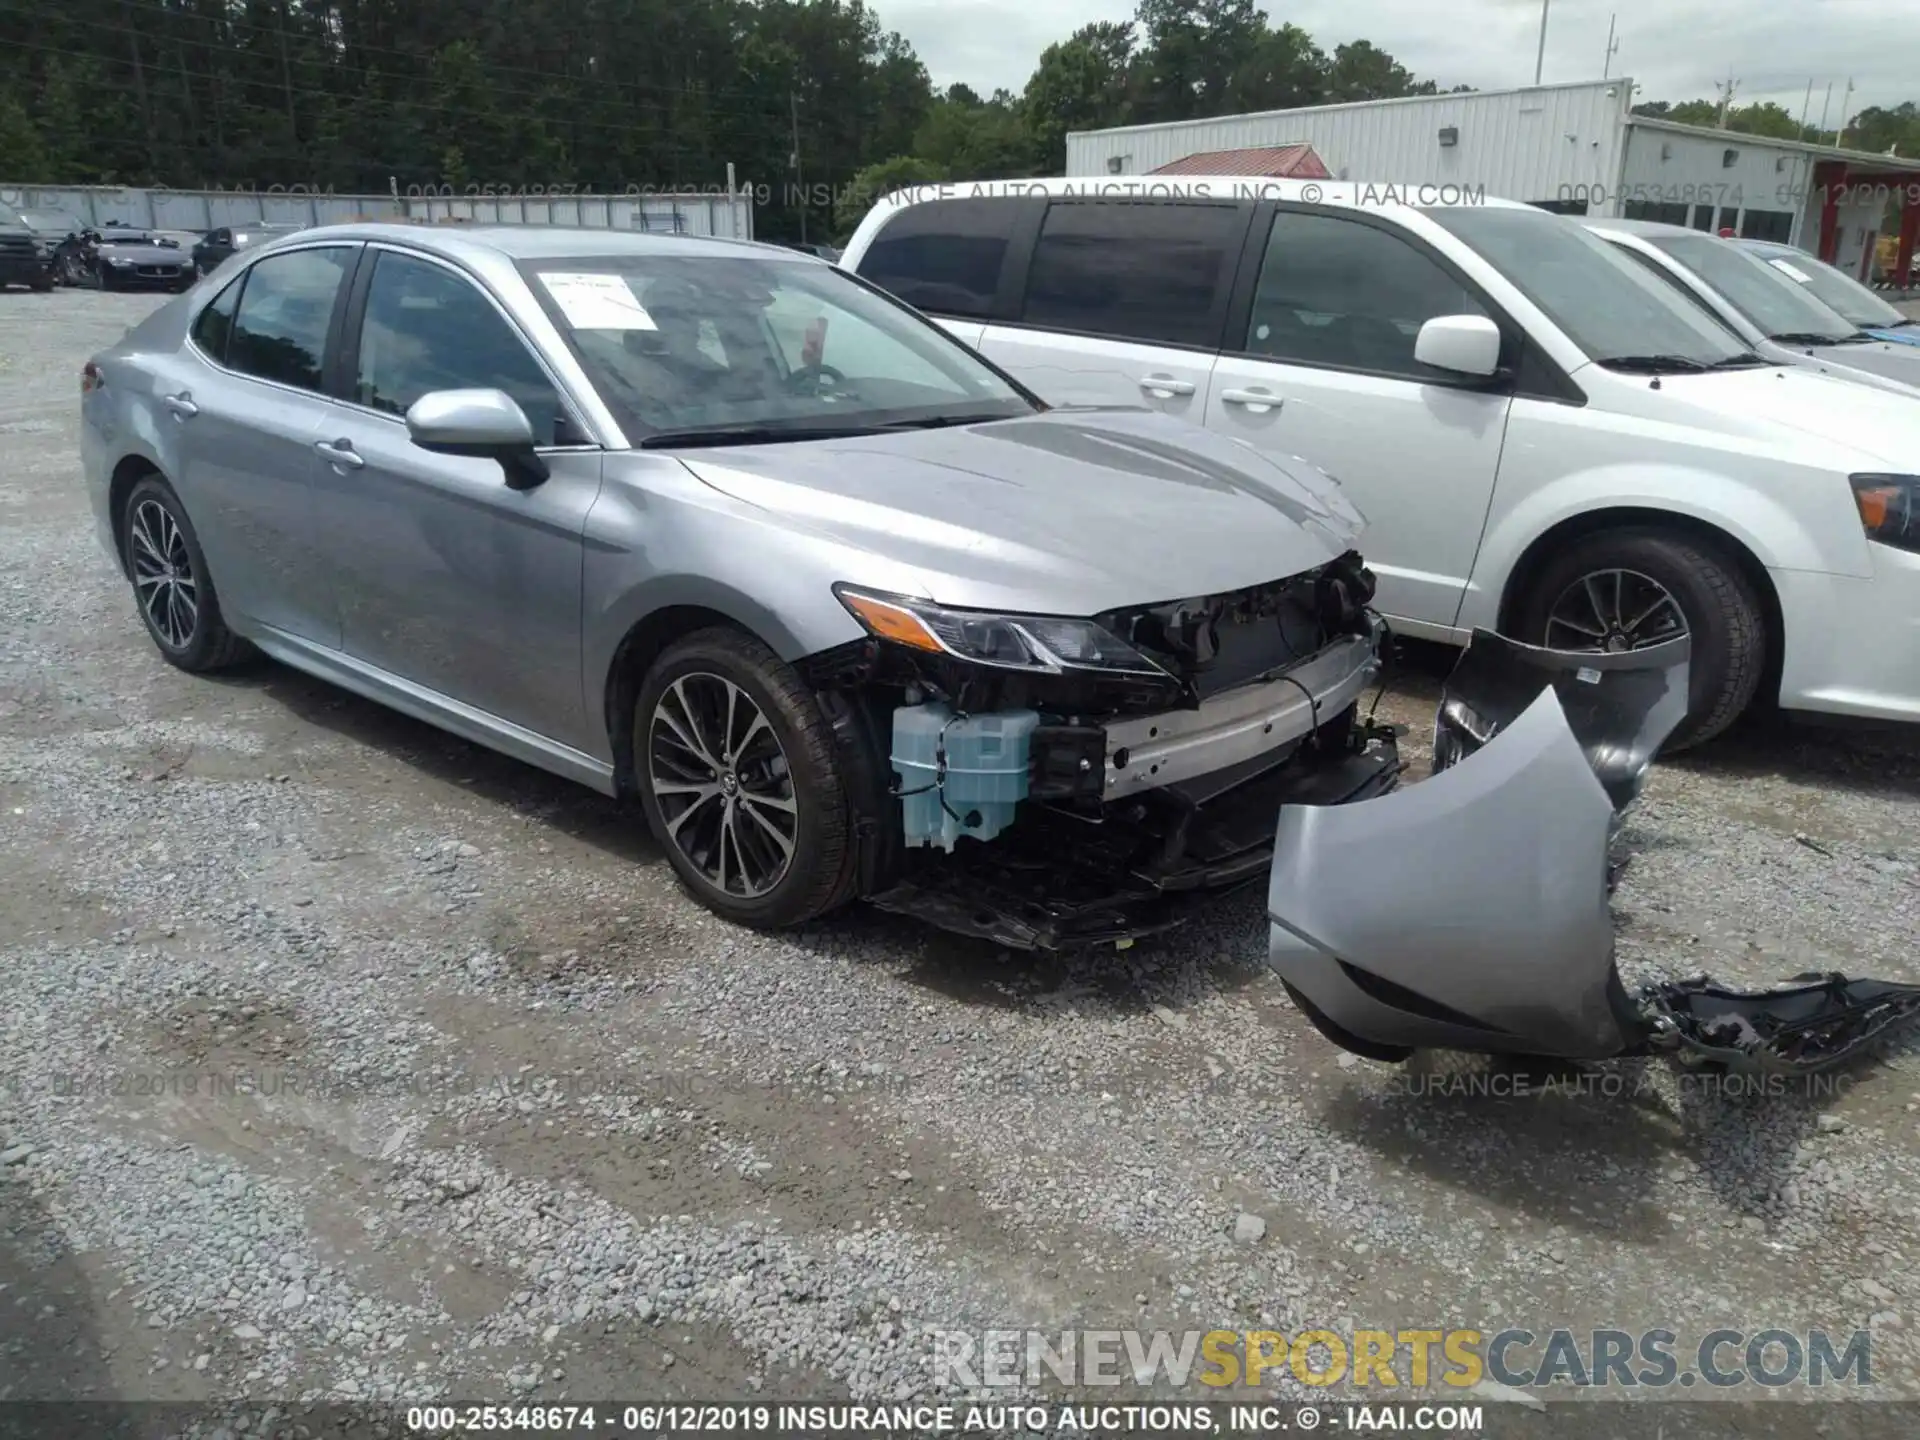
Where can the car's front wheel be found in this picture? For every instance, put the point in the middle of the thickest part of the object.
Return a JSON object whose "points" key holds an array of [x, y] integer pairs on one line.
{"points": [[1620, 590], [735, 767], [171, 587]]}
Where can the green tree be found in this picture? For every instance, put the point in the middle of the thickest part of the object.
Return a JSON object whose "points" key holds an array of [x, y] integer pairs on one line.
{"points": [[22, 155], [1360, 71], [873, 183], [1080, 84]]}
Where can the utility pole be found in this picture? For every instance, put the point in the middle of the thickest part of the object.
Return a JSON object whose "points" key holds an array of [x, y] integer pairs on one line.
{"points": [[1846, 103], [1540, 59], [1805, 105], [1613, 48], [793, 161], [1726, 98], [1826, 105]]}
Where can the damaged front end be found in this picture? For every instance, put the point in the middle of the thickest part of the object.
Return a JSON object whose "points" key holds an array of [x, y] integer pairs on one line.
{"points": [[1143, 752], [1471, 911]]}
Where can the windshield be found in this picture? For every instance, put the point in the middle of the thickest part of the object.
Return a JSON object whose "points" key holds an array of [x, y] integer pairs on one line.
{"points": [[1766, 297], [52, 220], [1835, 289], [781, 349], [1607, 305]]}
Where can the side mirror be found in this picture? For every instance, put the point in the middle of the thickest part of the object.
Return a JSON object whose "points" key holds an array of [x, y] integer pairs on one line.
{"points": [[1464, 344], [485, 423]]}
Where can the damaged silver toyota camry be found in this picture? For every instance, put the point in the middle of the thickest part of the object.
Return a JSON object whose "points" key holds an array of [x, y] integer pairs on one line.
{"points": [[850, 612]]}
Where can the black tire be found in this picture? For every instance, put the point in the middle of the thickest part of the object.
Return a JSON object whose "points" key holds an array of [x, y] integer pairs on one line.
{"points": [[819, 870], [207, 644], [1721, 611], [43, 284]]}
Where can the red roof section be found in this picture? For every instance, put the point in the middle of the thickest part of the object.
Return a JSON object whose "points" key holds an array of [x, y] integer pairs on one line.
{"points": [[1271, 162]]}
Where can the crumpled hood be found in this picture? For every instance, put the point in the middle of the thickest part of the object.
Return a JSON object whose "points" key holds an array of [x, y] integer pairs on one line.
{"points": [[1067, 512]]}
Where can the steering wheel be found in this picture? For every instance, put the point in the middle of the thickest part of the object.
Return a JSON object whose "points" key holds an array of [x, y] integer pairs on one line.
{"points": [[810, 377]]}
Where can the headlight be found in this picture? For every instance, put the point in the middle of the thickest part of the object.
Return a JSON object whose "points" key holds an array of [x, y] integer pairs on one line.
{"points": [[1889, 508], [117, 262], [1047, 643]]}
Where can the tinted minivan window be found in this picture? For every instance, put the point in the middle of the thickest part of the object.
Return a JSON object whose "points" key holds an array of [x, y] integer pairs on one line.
{"points": [[944, 256], [1132, 270], [280, 332], [1337, 292]]}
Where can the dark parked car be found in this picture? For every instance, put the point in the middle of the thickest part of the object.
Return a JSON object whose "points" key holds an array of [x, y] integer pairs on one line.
{"points": [[23, 255], [124, 258], [216, 245]]}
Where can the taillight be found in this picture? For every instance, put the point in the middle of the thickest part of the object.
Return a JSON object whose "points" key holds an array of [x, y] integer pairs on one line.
{"points": [[90, 378]]}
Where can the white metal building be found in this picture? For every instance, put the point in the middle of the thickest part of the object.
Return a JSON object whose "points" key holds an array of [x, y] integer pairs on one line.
{"points": [[1575, 147]]}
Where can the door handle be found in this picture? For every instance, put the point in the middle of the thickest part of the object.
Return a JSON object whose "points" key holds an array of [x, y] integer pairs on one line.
{"points": [[1165, 386], [1254, 399], [181, 405], [339, 452]]}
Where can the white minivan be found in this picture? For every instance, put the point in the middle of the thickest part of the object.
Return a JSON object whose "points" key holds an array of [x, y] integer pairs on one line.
{"points": [[1546, 440]]}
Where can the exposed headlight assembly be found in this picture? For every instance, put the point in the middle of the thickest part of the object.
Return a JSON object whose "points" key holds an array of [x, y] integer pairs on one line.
{"points": [[1889, 508], [1049, 644]]}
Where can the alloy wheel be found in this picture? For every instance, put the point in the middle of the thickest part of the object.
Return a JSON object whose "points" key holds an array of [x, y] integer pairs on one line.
{"points": [[1614, 611], [723, 784], [163, 577]]}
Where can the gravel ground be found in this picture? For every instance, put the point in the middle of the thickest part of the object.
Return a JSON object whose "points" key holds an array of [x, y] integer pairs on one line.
{"points": [[339, 1058]]}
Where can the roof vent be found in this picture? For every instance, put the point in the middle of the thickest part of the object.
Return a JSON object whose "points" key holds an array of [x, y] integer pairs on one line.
{"points": [[1449, 134]]}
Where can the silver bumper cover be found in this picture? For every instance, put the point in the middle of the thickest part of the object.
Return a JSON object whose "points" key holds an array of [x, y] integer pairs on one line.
{"points": [[1471, 911]]}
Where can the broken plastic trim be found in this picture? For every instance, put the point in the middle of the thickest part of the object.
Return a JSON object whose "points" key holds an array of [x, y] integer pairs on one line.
{"points": [[1391, 941], [1813, 1024]]}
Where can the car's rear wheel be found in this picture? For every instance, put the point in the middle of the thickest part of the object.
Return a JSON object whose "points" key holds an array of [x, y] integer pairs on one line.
{"points": [[171, 587], [735, 767], [1628, 589]]}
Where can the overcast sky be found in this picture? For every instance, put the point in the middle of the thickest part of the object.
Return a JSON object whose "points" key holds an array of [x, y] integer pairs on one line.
{"points": [[1675, 49]]}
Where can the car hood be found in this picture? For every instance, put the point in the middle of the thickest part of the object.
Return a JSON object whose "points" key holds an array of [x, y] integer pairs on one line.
{"points": [[1819, 416], [144, 254], [1905, 335], [1896, 363], [1073, 511]]}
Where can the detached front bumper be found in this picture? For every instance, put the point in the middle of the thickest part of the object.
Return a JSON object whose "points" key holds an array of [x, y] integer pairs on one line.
{"points": [[1471, 912]]}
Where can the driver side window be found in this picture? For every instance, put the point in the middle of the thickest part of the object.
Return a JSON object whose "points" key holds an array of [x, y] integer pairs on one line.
{"points": [[1338, 293], [428, 329]]}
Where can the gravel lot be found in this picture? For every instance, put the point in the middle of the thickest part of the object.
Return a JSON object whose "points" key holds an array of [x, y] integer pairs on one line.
{"points": [[526, 1122]]}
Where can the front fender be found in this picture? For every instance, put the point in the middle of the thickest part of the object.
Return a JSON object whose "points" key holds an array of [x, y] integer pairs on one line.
{"points": [[1777, 534]]}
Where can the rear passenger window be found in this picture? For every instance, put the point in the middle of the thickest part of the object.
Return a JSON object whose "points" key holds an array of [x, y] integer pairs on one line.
{"points": [[944, 256], [1339, 293], [1133, 270], [280, 331], [213, 324]]}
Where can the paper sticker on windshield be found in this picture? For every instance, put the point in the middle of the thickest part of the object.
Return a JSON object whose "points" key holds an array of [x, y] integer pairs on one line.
{"points": [[1788, 268], [597, 302]]}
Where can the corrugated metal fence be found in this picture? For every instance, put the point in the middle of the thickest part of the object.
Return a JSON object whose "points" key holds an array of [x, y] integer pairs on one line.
{"points": [[712, 212]]}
